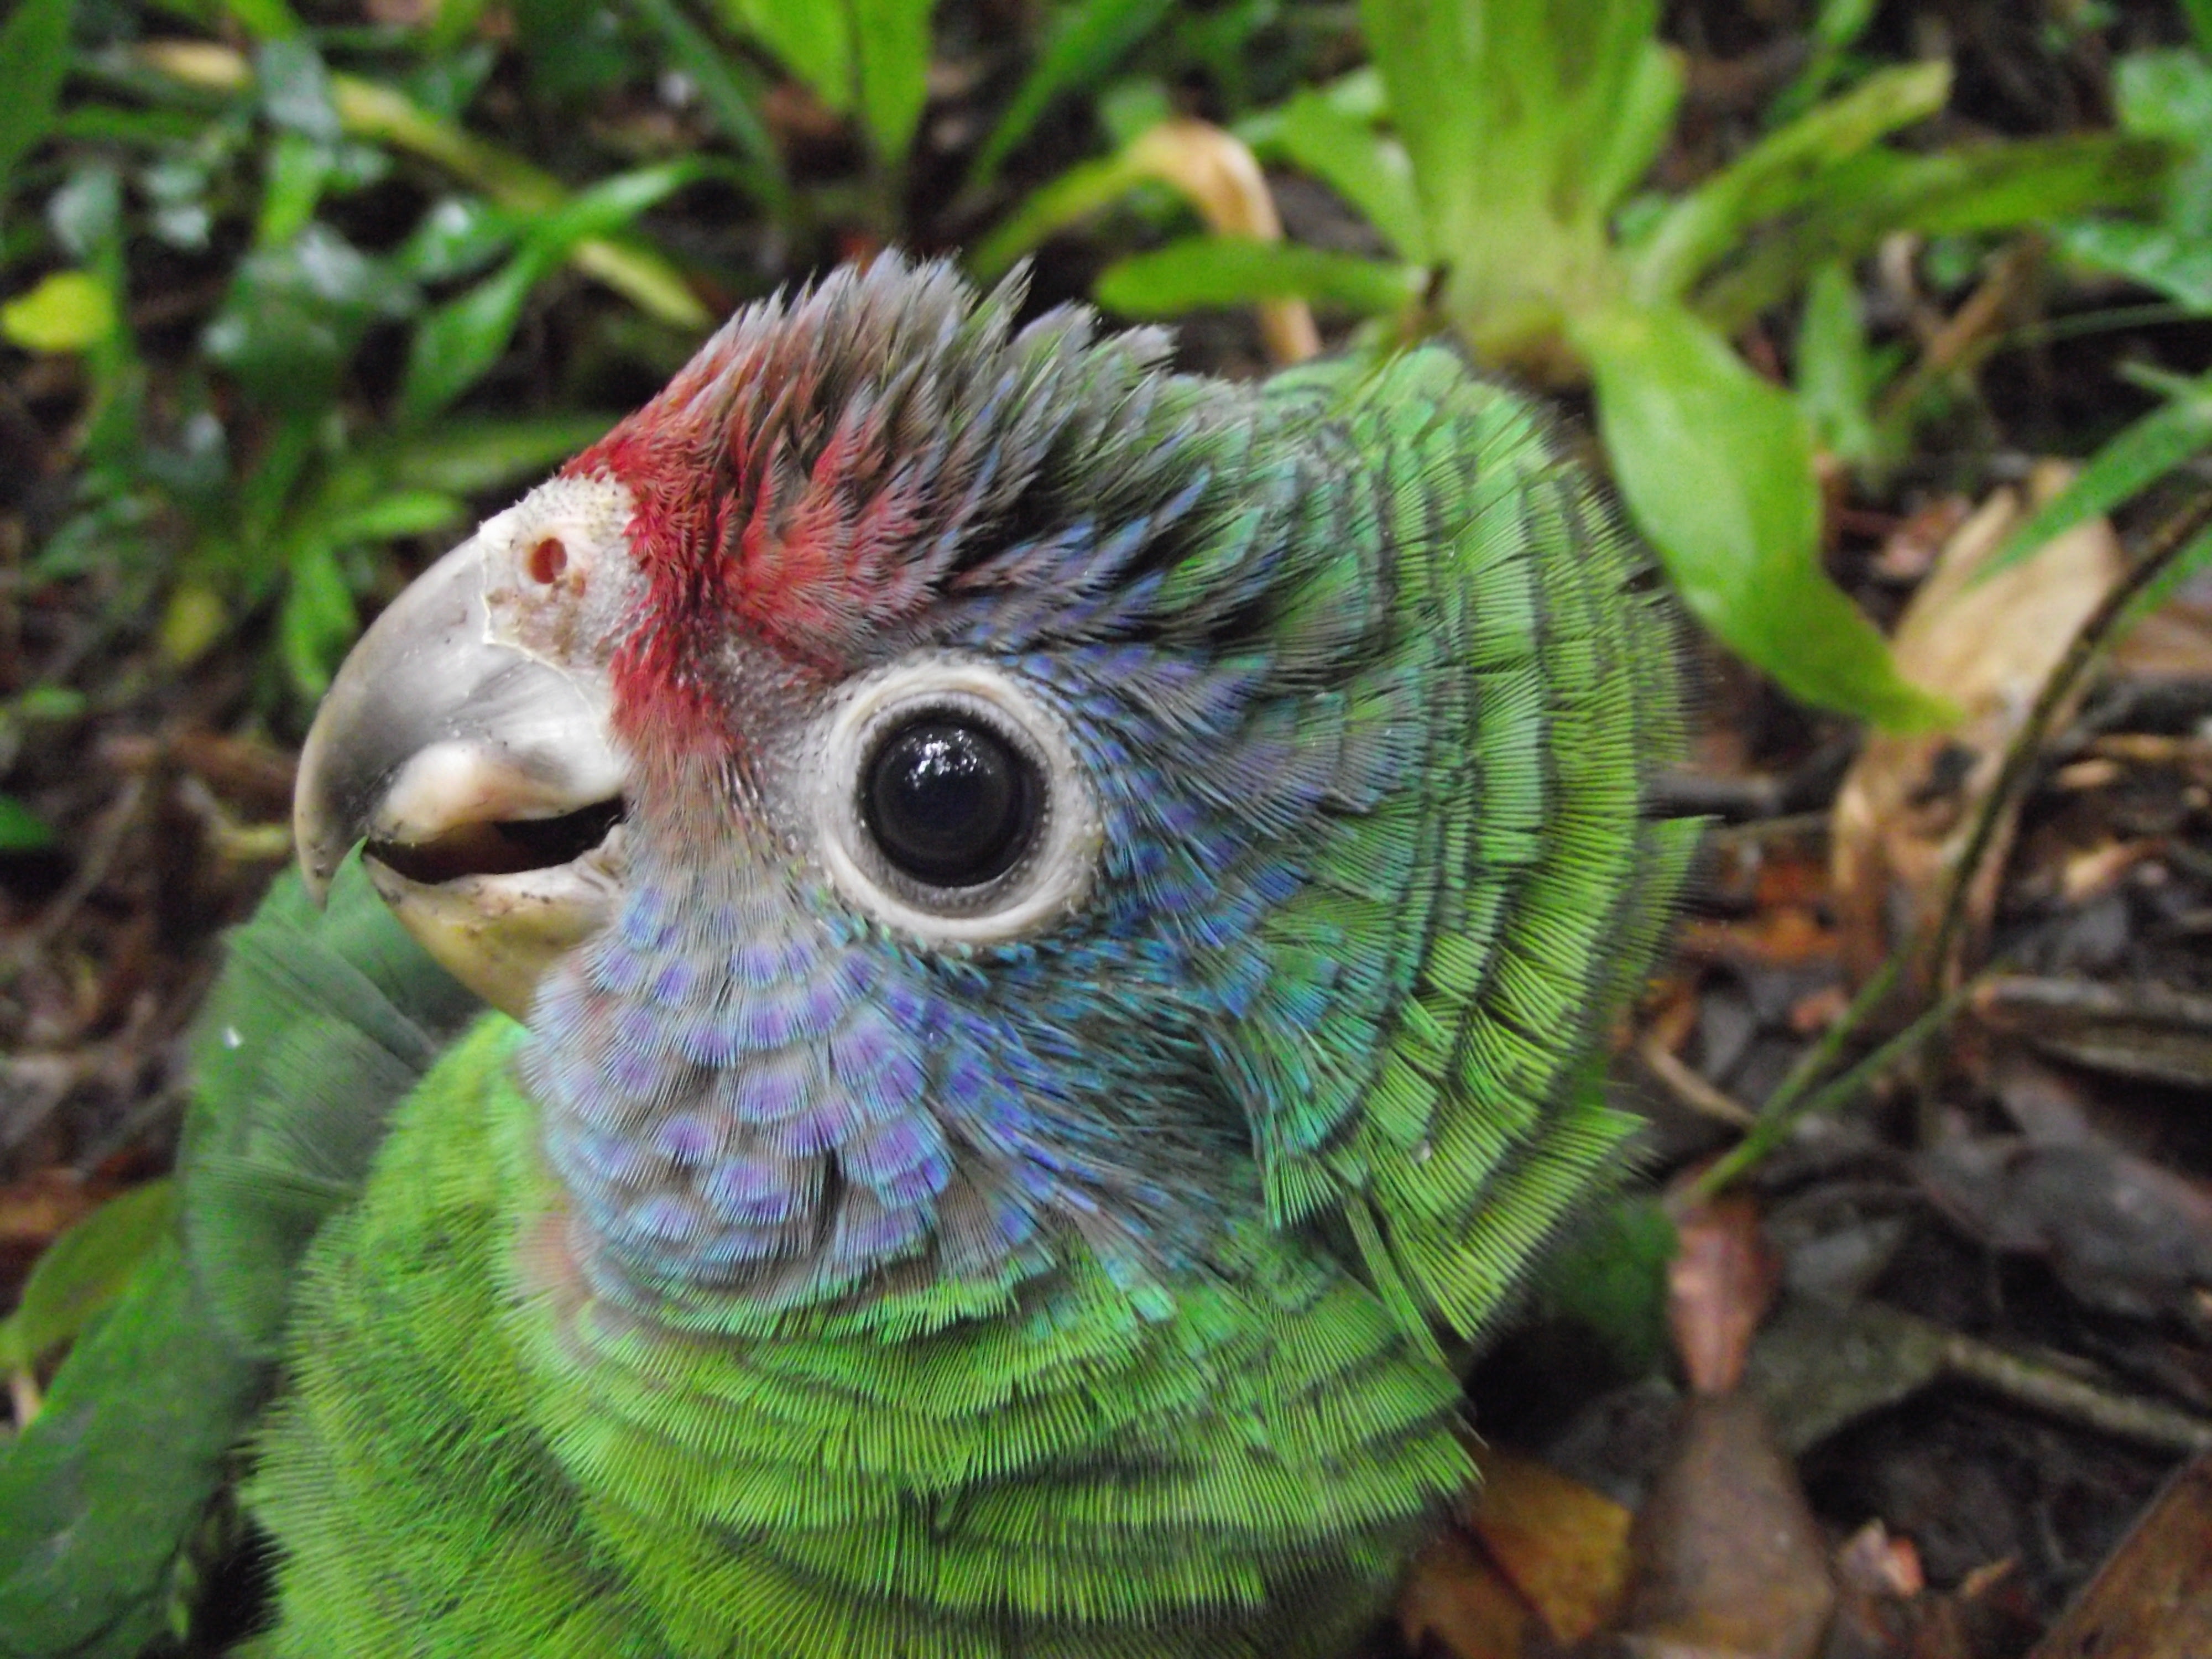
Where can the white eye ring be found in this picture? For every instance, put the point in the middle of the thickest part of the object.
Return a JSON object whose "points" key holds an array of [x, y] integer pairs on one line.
{"points": [[1048, 881]]}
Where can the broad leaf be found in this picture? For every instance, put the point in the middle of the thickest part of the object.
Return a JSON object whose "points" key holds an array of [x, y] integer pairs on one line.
{"points": [[1087, 40], [462, 457], [1779, 173], [1835, 369], [294, 315], [1716, 467], [2155, 255], [1205, 271], [2138, 458], [812, 38], [1522, 118], [35, 54], [67, 311], [2029, 183], [459, 341], [318, 620], [1369, 170], [894, 70]]}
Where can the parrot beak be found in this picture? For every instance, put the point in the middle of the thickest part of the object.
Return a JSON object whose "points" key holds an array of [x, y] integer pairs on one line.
{"points": [[481, 778]]}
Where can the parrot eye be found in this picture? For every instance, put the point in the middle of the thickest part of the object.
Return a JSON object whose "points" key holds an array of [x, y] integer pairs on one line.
{"points": [[952, 805], [949, 800]]}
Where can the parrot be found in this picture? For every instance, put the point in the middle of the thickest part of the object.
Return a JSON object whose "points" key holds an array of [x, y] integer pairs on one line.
{"points": [[960, 969]]}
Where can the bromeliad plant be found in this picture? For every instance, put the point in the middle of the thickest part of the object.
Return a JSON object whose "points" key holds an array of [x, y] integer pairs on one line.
{"points": [[1494, 150]]}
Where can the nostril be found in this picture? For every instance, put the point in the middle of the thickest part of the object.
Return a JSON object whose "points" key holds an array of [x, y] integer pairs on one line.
{"points": [[547, 561]]}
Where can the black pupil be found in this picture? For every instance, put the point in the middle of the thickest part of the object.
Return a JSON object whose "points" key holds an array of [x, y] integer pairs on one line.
{"points": [[949, 800]]}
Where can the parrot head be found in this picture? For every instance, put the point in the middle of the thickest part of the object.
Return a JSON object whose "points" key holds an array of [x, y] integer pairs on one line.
{"points": [[869, 772]]}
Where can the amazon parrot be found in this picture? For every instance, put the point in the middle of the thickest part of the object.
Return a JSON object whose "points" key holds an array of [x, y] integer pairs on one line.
{"points": [[1049, 928]]}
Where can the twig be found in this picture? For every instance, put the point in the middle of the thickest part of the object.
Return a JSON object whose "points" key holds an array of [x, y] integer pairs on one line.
{"points": [[2089, 640], [1969, 332], [2143, 1421], [1691, 1089], [107, 842], [1794, 1099], [1778, 1119]]}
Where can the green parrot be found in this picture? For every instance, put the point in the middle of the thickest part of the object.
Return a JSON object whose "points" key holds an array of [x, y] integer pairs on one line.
{"points": [[1049, 928]]}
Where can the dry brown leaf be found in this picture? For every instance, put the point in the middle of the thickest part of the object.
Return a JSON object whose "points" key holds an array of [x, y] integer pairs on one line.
{"points": [[1454, 1600], [1909, 802], [2153, 1598], [2122, 1233], [1719, 1285], [1728, 1560], [2175, 642], [1219, 176], [1784, 936], [1562, 1546]]}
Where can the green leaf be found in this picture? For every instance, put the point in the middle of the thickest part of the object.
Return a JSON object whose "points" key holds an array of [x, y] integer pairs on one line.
{"points": [[1522, 118], [1509, 105], [1368, 170], [298, 169], [1835, 370], [400, 513], [1836, 27], [1359, 95], [34, 55], [23, 830], [1778, 173], [894, 42], [459, 236], [1205, 271], [809, 38], [461, 458], [317, 621], [294, 315], [2164, 95], [456, 344], [296, 87], [2156, 256], [1083, 190], [67, 311], [1640, 128], [731, 95], [2137, 458], [2199, 13], [1716, 467], [1997, 187], [1087, 41], [85, 1269]]}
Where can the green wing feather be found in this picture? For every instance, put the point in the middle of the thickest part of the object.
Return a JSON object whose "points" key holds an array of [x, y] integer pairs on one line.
{"points": [[317, 1023]]}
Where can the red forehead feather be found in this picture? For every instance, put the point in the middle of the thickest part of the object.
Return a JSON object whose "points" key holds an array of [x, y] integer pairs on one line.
{"points": [[733, 532]]}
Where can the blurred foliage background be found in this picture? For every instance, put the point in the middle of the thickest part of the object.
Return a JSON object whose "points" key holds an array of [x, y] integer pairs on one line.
{"points": [[289, 294]]}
